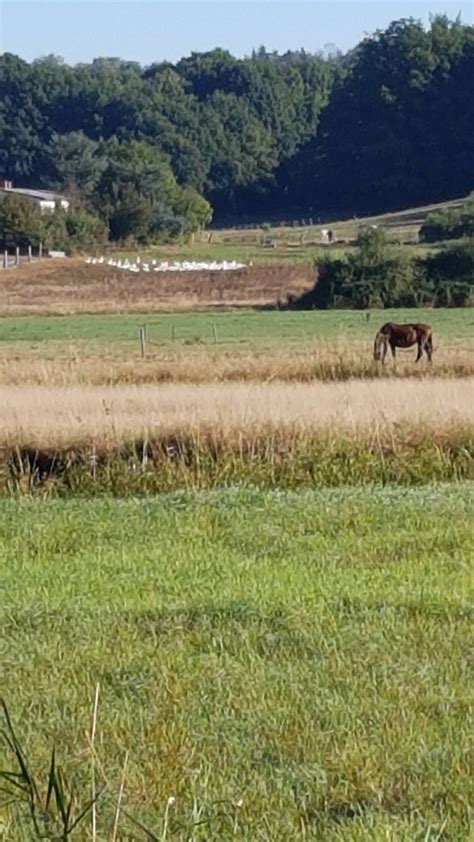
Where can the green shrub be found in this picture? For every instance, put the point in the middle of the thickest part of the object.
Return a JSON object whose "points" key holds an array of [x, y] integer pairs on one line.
{"points": [[21, 223], [74, 231], [452, 273], [377, 274], [380, 275], [449, 224]]}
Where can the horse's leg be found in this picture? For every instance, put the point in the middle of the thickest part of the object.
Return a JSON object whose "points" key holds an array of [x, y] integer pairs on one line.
{"points": [[420, 352], [384, 352], [429, 348], [392, 348]]}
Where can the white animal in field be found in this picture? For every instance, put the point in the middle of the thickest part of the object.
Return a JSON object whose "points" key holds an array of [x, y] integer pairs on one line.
{"points": [[165, 266]]}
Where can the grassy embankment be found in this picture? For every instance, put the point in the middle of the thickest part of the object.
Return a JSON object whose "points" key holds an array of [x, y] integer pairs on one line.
{"points": [[147, 439]]}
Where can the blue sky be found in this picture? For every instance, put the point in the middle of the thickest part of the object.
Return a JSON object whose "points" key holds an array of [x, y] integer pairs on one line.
{"points": [[151, 30]]}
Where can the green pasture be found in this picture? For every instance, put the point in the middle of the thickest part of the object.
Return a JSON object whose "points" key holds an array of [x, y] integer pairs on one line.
{"points": [[234, 248], [246, 250], [284, 665], [244, 327]]}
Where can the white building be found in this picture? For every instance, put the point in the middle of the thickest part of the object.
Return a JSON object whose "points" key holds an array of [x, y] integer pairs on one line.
{"points": [[46, 200]]}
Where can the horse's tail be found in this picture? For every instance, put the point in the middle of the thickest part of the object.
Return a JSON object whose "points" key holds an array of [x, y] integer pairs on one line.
{"points": [[428, 339], [379, 342]]}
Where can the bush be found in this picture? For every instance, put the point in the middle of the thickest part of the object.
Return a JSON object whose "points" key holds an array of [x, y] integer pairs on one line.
{"points": [[189, 213], [381, 275], [452, 273], [329, 289], [74, 231], [449, 224], [21, 223], [378, 274]]}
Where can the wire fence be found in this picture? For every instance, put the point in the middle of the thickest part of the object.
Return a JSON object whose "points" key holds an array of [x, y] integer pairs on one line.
{"points": [[13, 257]]}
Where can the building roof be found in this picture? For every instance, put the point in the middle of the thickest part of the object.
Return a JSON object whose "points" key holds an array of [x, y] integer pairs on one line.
{"points": [[41, 195]]}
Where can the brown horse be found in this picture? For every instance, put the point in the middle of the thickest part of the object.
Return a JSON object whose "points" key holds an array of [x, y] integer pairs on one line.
{"points": [[403, 336]]}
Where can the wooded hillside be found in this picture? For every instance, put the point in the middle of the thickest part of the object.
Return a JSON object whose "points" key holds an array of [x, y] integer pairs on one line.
{"points": [[388, 125]]}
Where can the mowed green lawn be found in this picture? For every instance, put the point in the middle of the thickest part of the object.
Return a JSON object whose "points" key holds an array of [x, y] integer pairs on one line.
{"points": [[286, 665], [233, 327]]}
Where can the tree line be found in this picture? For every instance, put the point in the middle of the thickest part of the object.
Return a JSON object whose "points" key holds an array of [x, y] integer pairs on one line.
{"points": [[156, 151]]}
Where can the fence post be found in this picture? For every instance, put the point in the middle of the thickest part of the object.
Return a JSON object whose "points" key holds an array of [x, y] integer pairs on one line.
{"points": [[5, 259], [17, 256], [40, 251], [30, 257], [142, 341]]}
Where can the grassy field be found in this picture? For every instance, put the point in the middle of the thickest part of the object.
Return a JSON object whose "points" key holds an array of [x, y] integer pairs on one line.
{"points": [[280, 646], [282, 672], [268, 578], [233, 346], [240, 327], [80, 364]]}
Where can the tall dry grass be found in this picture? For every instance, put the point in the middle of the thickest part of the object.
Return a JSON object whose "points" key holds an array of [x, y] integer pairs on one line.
{"points": [[49, 417], [60, 364]]}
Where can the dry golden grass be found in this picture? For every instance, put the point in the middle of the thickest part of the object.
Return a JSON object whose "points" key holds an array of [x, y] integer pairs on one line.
{"points": [[69, 287], [80, 363], [67, 416]]}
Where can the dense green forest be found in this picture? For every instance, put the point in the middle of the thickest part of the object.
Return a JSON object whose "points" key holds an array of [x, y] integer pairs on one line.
{"points": [[152, 150]]}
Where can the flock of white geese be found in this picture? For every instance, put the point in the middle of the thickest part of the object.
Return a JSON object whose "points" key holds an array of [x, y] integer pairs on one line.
{"points": [[139, 265]]}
